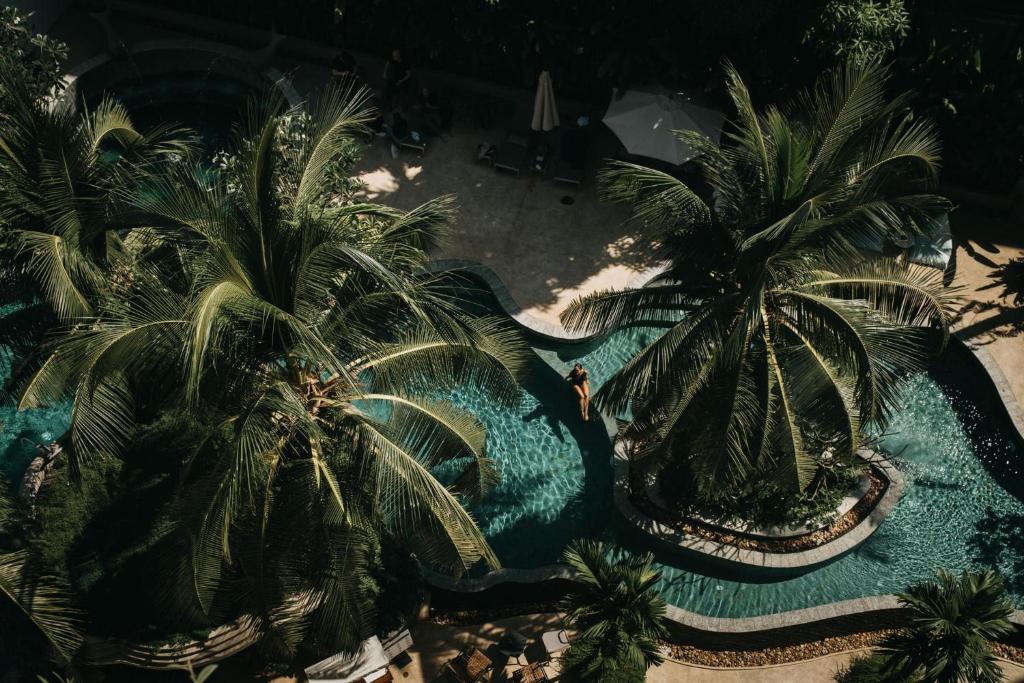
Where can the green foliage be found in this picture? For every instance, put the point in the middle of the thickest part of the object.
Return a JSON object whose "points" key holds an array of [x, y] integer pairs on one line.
{"points": [[617, 613], [33, 60], [40, 600], [785, 341], [861, 31], [290, 329], [65, 511], [292, 128], [763, 502], [952, 618], [868, 668]]}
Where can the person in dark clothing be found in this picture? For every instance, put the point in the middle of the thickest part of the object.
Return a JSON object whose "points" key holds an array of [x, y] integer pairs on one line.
{"points": [[580, 382], [397, 77], [429, 112], [398, 130], [343, 66]]}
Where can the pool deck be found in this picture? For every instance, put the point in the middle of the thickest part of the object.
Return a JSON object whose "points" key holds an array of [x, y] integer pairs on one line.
{"points": [[989, 318], [435, 644], [546, 252]]}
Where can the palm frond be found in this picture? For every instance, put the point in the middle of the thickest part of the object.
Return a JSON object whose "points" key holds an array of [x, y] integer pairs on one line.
{"points": [[44, 601]]}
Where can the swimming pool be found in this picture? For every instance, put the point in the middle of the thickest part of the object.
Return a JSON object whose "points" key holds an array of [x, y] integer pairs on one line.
{"points": [[961, 506], [20, 431]]}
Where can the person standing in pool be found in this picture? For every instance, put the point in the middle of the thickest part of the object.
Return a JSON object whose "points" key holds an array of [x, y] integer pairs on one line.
{"points": [[581, 385]]}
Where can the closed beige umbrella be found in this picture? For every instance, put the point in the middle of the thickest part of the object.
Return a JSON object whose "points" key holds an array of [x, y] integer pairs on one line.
{"points": [[545, 111]]}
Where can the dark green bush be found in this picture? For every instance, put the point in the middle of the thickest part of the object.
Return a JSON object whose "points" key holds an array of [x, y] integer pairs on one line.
{"points": [[866, 668]]}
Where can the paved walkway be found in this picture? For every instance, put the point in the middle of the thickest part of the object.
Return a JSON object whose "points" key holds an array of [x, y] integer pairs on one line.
{"points": [[989, 266], [434, 645], [545, 249]]}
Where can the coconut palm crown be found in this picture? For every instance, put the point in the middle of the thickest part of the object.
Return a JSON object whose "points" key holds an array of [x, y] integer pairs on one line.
{"points": [[952, 619], [297, 325], [617, 612], [784, 341], [62, 169]]}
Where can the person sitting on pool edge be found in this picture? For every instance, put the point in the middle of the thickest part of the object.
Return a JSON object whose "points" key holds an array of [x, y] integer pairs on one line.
{"points": [[581, 384]]}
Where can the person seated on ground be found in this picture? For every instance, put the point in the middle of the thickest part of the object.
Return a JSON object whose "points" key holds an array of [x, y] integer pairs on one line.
{"points": [[430, 112], [398, 130], [580, 382], [397, 79]]}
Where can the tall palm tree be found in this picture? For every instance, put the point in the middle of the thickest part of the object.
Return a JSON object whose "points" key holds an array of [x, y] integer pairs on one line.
{"points": [[784, 341], [952, 620], [297, 324], [39, 600], [617, 612], [60, 226]]}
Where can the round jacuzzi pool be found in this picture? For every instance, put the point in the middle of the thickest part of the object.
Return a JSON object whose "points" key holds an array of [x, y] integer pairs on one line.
{"points": [[204, 89]]}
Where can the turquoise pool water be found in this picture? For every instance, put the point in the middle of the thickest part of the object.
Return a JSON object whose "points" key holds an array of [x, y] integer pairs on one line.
{"points": [[960, 509], [20, 431]]}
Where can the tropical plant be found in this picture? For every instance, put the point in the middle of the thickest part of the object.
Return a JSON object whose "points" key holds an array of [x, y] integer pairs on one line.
{"points": [[785, 341], [867, 668], [300, 327], [30, 59], [42, 601], [617, 613], [952, 619], [859, 30], [61, 171]]}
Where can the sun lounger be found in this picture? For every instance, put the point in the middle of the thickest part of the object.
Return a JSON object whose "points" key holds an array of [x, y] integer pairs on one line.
{"points": [[512, 154], [469, 666], [531, 673], [555, 641], [572, 161]]}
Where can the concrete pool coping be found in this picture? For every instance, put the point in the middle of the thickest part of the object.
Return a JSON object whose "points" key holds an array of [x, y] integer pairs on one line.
{"points": [[270, 74], [811, 623], [737, 557]]}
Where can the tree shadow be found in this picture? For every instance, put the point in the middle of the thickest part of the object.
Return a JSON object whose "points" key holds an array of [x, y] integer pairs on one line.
{"points": [[996, 543], [1005, 321], [530, 541], [1009, 276], [554, 424]]}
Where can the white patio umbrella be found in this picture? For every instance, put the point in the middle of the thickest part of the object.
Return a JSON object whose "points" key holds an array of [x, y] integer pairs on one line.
{"points": [[545, 110], [644, 121], [935, 246]]}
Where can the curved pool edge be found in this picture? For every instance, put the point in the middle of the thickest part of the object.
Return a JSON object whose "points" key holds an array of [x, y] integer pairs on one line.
{"points": [[837, 618], [272, 75], [733, 556], [541, 328], [997, 378]]}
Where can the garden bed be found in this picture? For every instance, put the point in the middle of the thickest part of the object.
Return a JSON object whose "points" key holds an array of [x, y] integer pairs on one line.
{"points": [[812, 539]]}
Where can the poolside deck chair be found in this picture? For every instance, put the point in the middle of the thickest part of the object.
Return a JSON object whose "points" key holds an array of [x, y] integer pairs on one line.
{"points": [[572, 161], [469, 666], [512, 153], [531, 673], [418, 145], [555, 641], [368, 663], [395, 644]]}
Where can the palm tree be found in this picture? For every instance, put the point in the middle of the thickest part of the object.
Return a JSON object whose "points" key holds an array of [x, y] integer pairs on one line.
{"points": [[297, 325], [784, 341], [951, 621], [60, 228], [33, 597], [61, 172], [617, 613], [43, 602]]}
